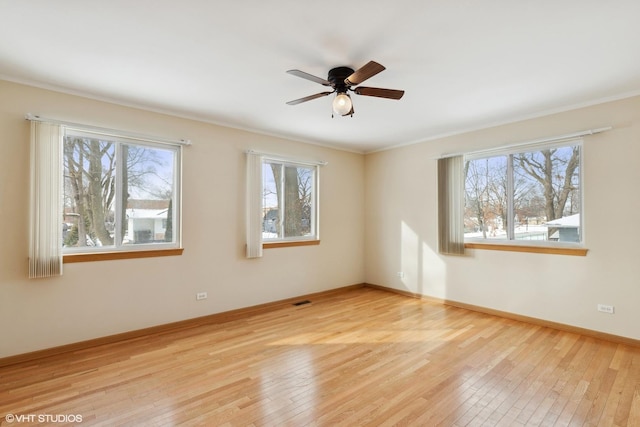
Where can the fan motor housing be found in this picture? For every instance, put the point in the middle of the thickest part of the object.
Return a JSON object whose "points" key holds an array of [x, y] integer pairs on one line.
{"points": [[337, 77]]}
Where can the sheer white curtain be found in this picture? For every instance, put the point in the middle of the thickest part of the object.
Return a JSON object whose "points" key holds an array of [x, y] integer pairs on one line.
{"points": [[254, 205], [45, 200], [451, 205]]}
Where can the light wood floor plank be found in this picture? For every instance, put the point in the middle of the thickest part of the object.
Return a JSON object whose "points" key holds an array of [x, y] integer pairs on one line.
{"points": [[363, 357]]}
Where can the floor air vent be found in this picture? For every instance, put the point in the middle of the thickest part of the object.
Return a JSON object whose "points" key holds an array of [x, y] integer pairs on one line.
{"points": [[302, 302]]}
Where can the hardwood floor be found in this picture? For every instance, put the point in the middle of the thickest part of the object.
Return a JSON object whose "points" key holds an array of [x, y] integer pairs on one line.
{"points": [[362, 357]]}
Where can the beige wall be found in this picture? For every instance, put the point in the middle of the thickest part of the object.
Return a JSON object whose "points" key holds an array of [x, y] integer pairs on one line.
{"points": [[401, 226], [102, 298], [377, 211]]}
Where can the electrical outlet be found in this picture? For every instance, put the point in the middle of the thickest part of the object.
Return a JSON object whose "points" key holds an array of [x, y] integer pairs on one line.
{"points": [[400, 274], [201, 296], [606, 308]]}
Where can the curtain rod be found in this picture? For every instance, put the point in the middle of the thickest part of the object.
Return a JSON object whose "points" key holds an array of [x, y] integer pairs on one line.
{"points": [[108, 132], [288, 159], [549, 139]]}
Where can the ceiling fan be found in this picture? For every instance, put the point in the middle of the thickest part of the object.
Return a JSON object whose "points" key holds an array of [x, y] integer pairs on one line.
{"points": [[341, 79]]}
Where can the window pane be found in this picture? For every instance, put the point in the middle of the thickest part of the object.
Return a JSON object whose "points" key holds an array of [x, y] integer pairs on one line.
{"points": [[298, 183], [271, 179], [149, 180], [531, 195], [547, 198], [486, 196], [288, 201], [89, 192], [117, 193]]}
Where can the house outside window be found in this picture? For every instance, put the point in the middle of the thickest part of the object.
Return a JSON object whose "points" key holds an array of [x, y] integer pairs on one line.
{"points": [[119, 194], [533, 195]]}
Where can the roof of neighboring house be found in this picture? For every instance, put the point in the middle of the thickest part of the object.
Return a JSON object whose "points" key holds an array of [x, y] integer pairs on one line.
{"points": [[146, 213], [571, 221]]}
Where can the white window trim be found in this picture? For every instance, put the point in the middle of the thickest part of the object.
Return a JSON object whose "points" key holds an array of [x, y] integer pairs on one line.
{"points": [[254, 211], [534, 146], [120, 138], [315, 210]]}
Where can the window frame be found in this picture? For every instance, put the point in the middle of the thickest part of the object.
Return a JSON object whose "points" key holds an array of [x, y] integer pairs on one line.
{"points": [[314, 237], [534, 246], [139, 250]]}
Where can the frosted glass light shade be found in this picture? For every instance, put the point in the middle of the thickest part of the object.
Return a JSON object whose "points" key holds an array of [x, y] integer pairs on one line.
{"points": [[342, 104]]}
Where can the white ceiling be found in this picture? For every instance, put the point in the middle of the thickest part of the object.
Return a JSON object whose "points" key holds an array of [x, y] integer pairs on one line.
{"points": [[463, 64]]}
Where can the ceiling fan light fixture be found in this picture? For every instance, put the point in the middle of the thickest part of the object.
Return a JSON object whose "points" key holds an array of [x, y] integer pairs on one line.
{"points": [[341, 80], [342, 104]]}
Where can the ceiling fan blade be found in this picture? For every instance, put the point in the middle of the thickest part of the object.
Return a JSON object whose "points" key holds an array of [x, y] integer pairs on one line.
{"points": [[379, 92], [363, 73], [308, 98], [308, 76]]}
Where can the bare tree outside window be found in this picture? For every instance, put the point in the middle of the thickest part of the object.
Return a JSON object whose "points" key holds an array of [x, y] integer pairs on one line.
{"points": [[288, 200], [89, 191], [101, 176], [485, 194], [555, 174], [516, 196]]}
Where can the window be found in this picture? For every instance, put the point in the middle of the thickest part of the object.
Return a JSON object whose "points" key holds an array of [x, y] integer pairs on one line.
{"points": [[119, 194], [289, 201], [530, 195]]}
